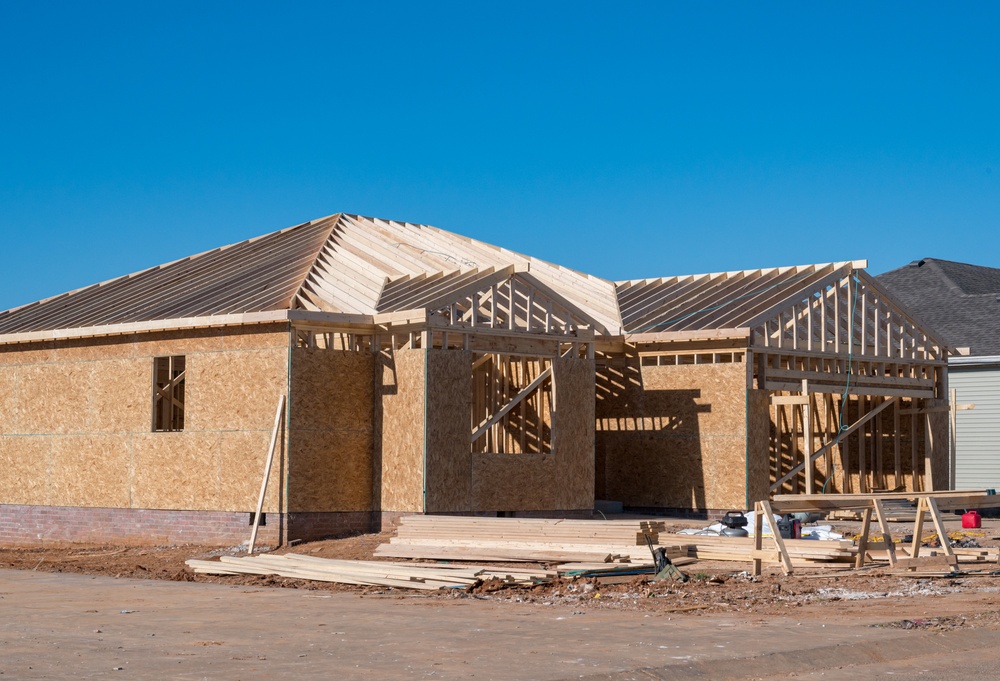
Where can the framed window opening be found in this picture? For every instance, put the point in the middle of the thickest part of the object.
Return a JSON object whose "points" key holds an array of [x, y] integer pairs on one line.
{"points": [[168, 394]]}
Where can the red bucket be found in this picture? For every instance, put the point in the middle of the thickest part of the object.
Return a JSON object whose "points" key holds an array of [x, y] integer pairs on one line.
{"points": [[972, 520]]}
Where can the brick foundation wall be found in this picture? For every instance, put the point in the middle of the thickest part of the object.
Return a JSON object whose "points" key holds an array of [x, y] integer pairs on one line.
{"points": [[35, 525], [40, 525]]}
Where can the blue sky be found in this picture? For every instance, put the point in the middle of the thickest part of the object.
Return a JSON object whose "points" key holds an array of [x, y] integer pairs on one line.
{"points": [[645, 139]]}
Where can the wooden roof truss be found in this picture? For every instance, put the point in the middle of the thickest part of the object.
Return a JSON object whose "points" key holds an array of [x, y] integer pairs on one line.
{"points": [[846, 333]]}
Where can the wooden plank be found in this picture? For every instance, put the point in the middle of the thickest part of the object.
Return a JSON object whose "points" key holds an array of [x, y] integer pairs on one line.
{"points": [[886, 533], [278, 415], [779, 543]]}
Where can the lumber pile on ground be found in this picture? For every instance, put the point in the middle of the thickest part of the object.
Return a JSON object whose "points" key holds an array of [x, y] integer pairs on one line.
{"points": [[525, 539], [367, 573], [803, 552]]}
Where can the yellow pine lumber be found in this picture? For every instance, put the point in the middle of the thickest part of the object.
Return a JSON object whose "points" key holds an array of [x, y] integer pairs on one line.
{"points": [[358, 569], [289, 569], [496, 554]]}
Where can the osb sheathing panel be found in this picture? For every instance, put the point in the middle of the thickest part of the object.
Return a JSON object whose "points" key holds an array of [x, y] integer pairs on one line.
{"points": [[573, 443], [90, 470], [89, 400], [9, 419], [330, 466], [562, 480], [119, 396], [239, 466], [758, 444], [330, 470], [184, 342], [52, 398], [449, 427], [399, 434], [24, 470], [332, 389], [205, 471], [235, 390], [674, 436], [25, 353], [176, 470]]}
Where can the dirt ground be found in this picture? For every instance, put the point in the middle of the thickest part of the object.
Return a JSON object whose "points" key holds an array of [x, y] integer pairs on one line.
{"points": [[714, 587]]}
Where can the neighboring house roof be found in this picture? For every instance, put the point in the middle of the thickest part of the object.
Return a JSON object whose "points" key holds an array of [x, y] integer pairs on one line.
{"points": [[352, 265], [959, 301]]}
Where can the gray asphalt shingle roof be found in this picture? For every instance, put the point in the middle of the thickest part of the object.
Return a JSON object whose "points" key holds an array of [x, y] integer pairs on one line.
{"points": [[958, 301]]}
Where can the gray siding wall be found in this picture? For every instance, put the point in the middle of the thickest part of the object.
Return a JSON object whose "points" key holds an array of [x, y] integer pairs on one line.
{"points": [[977, 461]]}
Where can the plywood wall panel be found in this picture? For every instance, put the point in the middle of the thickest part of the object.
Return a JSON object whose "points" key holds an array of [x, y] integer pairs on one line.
{"points": [[236, 390], [86, 403], [332, 408], [119, 396], [25, 353], [9, 415], [332, 389], [90, 470], [239, 469], [53, 398], [330, 470], [674, 436], [400, 431], [573, 444], [181, 342], [90, 349], [175, 470], [449, 427], [24, 470], [561, 480], [258, 336]]}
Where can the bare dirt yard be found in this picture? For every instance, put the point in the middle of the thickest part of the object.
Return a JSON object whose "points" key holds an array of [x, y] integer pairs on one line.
{"points": [[101, 609], [714, 587]]}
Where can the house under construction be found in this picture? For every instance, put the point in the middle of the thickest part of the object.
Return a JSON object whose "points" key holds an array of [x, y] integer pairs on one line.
{"points": [[428, 372]]}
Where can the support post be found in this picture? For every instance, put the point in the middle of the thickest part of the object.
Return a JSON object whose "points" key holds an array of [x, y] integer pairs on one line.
{"points": [[267, 471]]}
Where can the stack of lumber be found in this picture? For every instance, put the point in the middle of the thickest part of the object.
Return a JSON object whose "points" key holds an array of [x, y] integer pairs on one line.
{"points": [[367, 573], [525, 539], [803, 552], [963, 555]]}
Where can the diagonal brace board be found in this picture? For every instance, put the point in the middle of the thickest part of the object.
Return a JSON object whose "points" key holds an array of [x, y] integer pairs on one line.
{"points": [[504, 410], [836, 440]]}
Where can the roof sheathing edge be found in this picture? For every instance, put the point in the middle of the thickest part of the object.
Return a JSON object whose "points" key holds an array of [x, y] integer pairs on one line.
{"points": [[244, 319]]}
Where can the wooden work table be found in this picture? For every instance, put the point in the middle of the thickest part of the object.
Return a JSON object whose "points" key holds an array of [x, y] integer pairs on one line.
{"points": [[931, 503]]}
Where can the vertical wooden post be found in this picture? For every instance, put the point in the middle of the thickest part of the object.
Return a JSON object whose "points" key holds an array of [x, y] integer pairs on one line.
{"points": [[862, 458], [896, 458], [807, 443], [953, 440], [866, 526], [758, 537], [928, 454], [267, 471], [918, 529]]}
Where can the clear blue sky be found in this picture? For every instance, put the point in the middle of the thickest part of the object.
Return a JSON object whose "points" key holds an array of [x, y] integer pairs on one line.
{"points": [[624, 139]]}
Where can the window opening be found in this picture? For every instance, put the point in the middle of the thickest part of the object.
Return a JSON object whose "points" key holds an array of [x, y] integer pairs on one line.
{"points": [[168, 393]]}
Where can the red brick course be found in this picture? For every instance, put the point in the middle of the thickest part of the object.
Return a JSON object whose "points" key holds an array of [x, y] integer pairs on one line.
{"points": [[39, 525]]}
